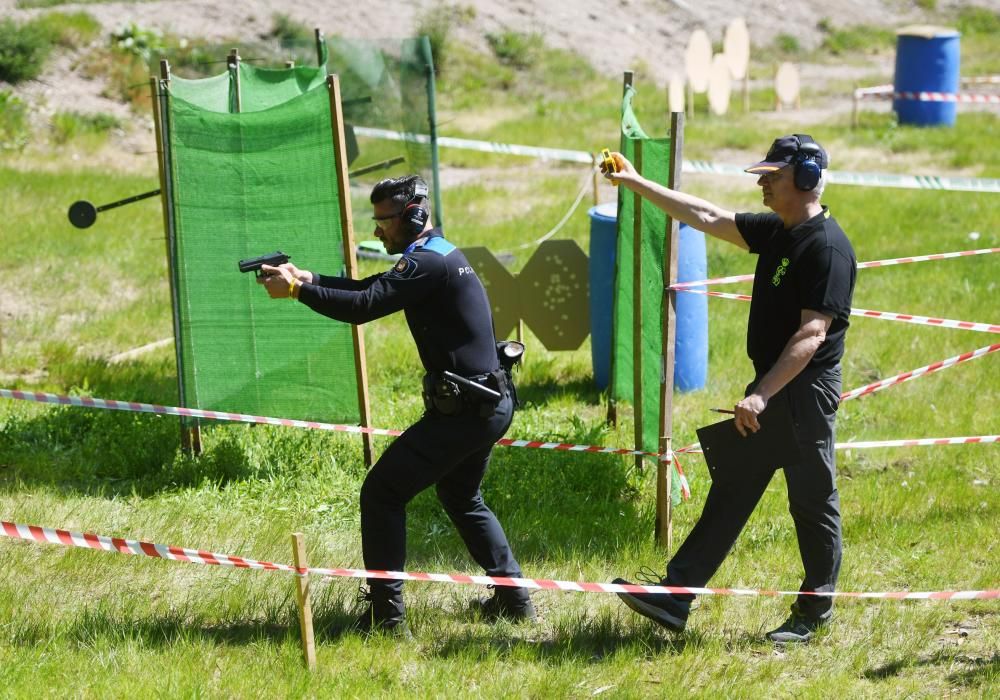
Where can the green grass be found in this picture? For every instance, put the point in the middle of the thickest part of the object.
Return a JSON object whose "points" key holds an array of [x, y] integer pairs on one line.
{"points": [[94, 624]]}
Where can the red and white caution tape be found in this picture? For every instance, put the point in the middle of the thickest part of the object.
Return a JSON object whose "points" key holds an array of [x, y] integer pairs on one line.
{"points": [[919, 442], [111, 404], [899, 379], [718, 280], [136, 407], [928, 321], [33, 533], [871, 444], [888, 92], [885, 315], [143, 549], [926, 258], [861, 266], [919, 372]]}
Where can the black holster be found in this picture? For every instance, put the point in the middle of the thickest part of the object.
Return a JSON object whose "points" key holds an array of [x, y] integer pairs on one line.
{"points": [[448, 398]]}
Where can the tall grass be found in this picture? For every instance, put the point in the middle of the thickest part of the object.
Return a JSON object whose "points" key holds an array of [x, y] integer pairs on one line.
{"points": [[94, 624]]}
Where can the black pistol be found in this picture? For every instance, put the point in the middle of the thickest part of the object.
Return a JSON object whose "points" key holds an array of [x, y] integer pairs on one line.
{"points": [[273, 259]]}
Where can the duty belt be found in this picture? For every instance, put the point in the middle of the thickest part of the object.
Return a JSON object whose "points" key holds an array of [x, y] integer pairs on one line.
{"points": [[450, 394]]}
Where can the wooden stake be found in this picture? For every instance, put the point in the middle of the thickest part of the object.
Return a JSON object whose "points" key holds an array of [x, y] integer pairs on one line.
{"points": [[350, 256], [302, 598], [612, 417], [637, 309], [190, 434], [671, 247]]}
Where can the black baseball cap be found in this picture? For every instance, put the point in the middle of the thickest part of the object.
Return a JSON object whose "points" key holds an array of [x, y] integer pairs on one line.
{"points": [[783, 152]]}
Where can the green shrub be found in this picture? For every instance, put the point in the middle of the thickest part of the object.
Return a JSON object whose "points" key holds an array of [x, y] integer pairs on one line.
{"points": [[68, 125], [857, 39], [68, 30], [787, 44], [515, 49], [289, 32], [13, 122], [437, 23], [978, 20], [23, 50]]}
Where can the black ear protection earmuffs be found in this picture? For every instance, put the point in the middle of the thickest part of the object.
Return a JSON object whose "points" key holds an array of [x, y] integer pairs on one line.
{"points": [[807, 170], [415, 212]]}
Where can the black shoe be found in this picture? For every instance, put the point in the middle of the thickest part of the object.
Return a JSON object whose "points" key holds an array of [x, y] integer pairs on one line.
{"points": [[661, 608], [797, 629], [384, 614], [506, 603]]}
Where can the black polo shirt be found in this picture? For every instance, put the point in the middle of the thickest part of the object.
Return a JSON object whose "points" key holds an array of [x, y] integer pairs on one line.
{"points": [[445, 304], [811, 266]]}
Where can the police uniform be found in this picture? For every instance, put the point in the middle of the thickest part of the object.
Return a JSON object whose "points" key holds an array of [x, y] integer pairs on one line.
{"points": [[811, 266], [449, 317]]}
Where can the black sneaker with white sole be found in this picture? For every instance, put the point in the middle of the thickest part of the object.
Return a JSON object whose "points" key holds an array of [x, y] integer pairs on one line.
{"points": [[797, 629], [662, 608]]}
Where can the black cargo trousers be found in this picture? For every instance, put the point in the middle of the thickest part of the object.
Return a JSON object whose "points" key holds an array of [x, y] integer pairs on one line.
{"points": [[813, 500], [452, 453]]}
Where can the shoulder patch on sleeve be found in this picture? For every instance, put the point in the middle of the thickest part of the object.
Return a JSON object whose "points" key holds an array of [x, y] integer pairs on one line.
{"points": [[439, 245], [404, 268]]}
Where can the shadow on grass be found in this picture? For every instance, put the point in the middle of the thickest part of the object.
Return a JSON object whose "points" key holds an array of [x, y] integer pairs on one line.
{"points": [[585, 640], [973, 671], [539, 392]]}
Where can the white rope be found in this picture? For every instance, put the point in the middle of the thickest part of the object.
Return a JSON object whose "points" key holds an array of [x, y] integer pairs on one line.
{"points": [[562, 221]]}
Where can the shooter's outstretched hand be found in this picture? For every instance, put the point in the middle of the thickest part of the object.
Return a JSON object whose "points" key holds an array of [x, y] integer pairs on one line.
{"points": [[623, 171]]}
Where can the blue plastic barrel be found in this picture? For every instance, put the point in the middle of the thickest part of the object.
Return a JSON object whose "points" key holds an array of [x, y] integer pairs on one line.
{"points": [[603, 249], [691, 333], [691, 345], [927, 60]]}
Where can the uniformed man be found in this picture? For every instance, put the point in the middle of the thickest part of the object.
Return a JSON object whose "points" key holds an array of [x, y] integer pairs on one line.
{"points": [[799, 316], [449, 317]]}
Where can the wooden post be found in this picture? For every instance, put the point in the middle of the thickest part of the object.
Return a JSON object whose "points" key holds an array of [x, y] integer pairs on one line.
{"points": [[612, 417], [191, 433], [233, 64], [664, 469], [320, 45], [637, 309], [350, 255], [302, 597]]}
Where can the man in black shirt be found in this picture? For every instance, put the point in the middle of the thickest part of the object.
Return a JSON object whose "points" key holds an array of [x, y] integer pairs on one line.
{"points": [[449, 317], [802, 291]]}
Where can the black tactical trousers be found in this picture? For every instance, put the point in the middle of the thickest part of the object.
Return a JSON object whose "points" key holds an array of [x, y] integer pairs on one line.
{"points": [[813, 501], [453, 453]]}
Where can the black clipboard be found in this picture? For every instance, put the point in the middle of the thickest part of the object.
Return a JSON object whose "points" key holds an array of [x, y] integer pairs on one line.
{"points": [[730, 455]]}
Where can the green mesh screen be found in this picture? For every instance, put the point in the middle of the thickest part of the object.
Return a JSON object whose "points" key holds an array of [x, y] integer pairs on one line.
{"points": [[242, 185], [654, 164], [388, 85]]}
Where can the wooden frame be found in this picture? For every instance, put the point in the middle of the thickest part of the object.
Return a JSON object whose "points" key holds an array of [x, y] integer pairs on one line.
{"points": [[671, 240], [190, 433], [637, 310], [350, 256]]}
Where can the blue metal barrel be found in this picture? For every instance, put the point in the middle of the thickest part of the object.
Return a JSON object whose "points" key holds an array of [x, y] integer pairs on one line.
{"points": [[927, 60]]}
